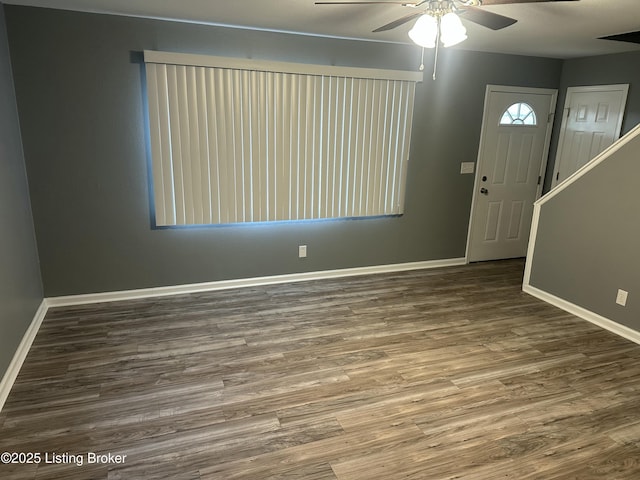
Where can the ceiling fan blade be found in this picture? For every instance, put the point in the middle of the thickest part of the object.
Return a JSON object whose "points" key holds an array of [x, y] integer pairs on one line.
{"points": [[629, 37], [398, 22], [487, 3], [486, 19], [412, 4]]}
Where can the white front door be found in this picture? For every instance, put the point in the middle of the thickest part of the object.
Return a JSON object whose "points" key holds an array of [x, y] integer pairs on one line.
{"points": [[591, 122], [514, 146]]}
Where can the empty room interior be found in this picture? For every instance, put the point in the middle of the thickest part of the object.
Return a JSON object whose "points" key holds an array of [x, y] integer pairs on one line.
{"points": [[319, 240]]}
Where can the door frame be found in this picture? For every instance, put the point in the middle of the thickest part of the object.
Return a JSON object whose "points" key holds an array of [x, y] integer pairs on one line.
{"points": [[620, 87], [547, 142]]}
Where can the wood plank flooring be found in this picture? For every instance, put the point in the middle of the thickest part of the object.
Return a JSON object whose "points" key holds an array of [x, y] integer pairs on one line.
{"points": [[437, 374]]}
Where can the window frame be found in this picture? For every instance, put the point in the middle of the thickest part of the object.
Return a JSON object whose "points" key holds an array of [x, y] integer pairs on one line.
{"points": [[519, 121]]}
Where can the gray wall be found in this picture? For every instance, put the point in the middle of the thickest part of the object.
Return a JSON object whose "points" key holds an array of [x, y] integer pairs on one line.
{"points": [[599, 70], [588, 238], [589, 233], [79, 89], [20, 283]]}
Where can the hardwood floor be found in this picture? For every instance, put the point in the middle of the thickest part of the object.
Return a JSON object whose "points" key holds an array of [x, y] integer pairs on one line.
{"points": [[434, 374]]}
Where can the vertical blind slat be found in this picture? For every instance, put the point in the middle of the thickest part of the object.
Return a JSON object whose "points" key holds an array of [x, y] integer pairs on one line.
{"points": [[254, 146], [212, 145], [194, 145], [235, 109], [260, 139], [165, 145], [325, 146], [378, 112], [185, 143], [176, 149], [300, 148], [402, 178], [337, 146], [246, 135], [388, 164], [347, 147], [243, 146], [291, 161], [156, 143], [224, 151], [203, 147], [397, 132], [279, 140], [360, 159]]}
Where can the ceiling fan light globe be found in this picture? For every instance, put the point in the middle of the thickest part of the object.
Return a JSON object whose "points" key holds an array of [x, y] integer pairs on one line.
{"points": [[425, 31], [452, 30], [454, 40]]}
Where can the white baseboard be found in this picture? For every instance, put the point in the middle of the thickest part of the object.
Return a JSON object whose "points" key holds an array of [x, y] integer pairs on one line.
{"points": [[65, 301], [21, 353], [583, 313]]}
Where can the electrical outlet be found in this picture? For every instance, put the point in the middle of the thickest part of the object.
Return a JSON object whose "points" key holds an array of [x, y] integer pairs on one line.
{"points": [[302, 251], [621, 298]]}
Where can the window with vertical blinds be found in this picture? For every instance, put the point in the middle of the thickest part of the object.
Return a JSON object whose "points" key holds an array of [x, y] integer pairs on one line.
{"points": [[246, 141]]}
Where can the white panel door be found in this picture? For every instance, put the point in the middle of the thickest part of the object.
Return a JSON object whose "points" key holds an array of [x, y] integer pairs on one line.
{"points": [[591, 122], [513, 152]]}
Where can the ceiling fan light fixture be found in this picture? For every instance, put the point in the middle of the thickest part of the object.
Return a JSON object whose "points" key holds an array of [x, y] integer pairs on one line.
{"points": [[425, 31], [452, 30], [447, 27]]}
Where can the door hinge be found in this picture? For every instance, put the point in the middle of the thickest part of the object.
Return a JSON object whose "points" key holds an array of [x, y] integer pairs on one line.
{"points": [[558, 176], [539, 179], [568, 109], [550, 118]]}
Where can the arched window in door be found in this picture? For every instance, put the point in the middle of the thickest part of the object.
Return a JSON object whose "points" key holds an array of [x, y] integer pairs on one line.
{"points": [[519, 114]]}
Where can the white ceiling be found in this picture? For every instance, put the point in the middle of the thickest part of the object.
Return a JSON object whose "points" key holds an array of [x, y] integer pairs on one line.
{"points": [[562, 30]]}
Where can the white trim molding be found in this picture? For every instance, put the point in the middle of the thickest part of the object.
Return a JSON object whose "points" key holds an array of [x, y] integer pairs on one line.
{"points": [[21, 353], [64, 301], [533, 236], [578, 311]]}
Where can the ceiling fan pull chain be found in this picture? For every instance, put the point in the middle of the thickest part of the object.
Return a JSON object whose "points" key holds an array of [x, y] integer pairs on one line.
{"points": [[435, 62], [435, 58], [422, 60]]}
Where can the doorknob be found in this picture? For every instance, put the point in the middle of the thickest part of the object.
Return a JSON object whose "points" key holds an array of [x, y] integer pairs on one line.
{"points": [[484, 191]]}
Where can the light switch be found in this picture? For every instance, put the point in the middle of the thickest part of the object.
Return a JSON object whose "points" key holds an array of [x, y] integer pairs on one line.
{"points": [[467, 167], [621, 298]]}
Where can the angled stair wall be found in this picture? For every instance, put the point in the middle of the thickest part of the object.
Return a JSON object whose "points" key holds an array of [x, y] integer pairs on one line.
{"points": [[585, 240]]}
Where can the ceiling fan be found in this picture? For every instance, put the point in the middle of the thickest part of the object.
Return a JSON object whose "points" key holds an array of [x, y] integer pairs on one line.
{"points": [[438, 21], [467, 8]]}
